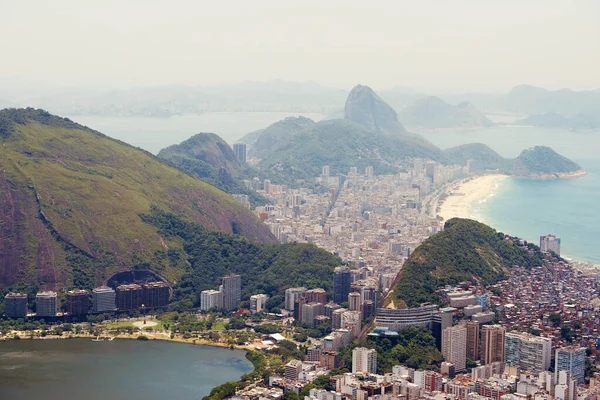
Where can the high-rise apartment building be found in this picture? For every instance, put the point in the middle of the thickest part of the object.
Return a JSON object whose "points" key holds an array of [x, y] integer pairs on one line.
{"points": [[369, 171], [317, 295], [531, 353], [239, 149], [492, 344], [310, 311], [454, 346], [15, 305], [258, 302], [292, 295], [364, 360], [78, 302], [472, 341], [232, 291], [156, 294], [292, 370], [103, 299], [572, 359], [46, 304], [550, 243], [325, 171], [210, 299], [342, 281], [129, 297], [354, 301]]}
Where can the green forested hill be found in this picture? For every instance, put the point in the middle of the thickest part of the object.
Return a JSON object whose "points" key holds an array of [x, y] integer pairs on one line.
{"points": [[541, 160], [71, 199], [266, 269], [465, 250]]}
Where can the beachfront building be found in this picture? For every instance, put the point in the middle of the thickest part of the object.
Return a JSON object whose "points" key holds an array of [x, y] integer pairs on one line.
{"points": [[550, 243], [46, 304], [103, 299], [15, 305]]}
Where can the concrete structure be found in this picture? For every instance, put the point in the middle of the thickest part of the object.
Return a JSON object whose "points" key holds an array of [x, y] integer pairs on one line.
{"points": [[317, 295], [258, 302], [550, 243], [103, 299], [78, 302], [397, 319], [156, 294], [364, 360], [572, 359], [492, 344], [129, 297], [46, 304], [15, 305], [292, 370], [310, 311], [210, 299], [342, 281], [454, 346], [531, 353], [354, 301], [239, 149], [292, 295], [472, 341], [232, 291]]}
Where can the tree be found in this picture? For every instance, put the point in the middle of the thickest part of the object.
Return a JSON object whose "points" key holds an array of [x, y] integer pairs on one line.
{"points": [[555, 319]]}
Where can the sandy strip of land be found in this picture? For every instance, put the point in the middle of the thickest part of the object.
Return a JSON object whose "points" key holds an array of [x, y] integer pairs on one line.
{"points": [[460, 199]]}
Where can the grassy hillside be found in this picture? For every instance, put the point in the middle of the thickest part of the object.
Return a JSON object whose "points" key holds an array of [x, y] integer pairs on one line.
{"points": [[70, 200], [264, 142], [465, 250], [208, 157], [482, 155]]}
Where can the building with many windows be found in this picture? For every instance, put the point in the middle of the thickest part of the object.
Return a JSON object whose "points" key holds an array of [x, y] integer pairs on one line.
{"points": [[258, 302], [239, 149], [364, 360], [531, 353], [454, 346], [492, 344], [156, 294], [342, 282], [15, 305], [210, 299], [572, 359], [129, 297], [46, 304], [103, 299], [232, 291], [550, 243], [292, 295], [78, 302]]}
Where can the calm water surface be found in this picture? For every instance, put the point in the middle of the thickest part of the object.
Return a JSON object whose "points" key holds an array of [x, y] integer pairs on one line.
{"points": [[121, 369]]}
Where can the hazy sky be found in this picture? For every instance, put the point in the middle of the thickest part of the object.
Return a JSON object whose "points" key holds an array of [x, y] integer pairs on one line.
{"points": [[445, 45]]}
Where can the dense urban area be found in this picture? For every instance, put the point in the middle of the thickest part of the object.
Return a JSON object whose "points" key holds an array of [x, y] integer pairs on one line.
{"points": [[532, 335]]}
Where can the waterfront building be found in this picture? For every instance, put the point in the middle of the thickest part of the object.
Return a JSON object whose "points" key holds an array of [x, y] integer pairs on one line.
{"points": [[492, 344], [572, 359], [292, 295], [103, 299], [46, 304], [454, 346], [550, 243], [129, 297], [232, 291], [317, 295], [258, 302], [239, 149], [156, 294], [15, 305], [210, 299], [364, 360], [531, 353], [78, 302]]}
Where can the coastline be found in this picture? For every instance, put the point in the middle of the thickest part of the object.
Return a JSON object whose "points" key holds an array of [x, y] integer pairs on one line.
{"points": [[462, 196]]}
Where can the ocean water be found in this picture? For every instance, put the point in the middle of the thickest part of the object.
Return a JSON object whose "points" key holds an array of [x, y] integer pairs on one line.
{"points": [[154, 134], [121, 369], [529, 208]]}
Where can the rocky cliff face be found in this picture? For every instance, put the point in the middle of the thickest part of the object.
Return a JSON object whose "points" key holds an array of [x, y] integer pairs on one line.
{"points": [[367, 109]]}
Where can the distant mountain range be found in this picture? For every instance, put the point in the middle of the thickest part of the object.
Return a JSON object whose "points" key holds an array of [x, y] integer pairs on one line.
{"points": [[370, 134], [434, 113], [555, 120]]}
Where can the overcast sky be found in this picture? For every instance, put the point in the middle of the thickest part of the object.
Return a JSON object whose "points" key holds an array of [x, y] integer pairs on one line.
{"points": [[445, 45]]}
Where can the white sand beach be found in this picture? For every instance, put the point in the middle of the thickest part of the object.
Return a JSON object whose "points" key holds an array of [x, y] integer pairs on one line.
{"points": [[461, 198]]}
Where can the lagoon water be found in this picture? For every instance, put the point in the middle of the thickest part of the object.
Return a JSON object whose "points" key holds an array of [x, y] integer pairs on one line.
{"points": [[121, 369], [529, 208]]}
